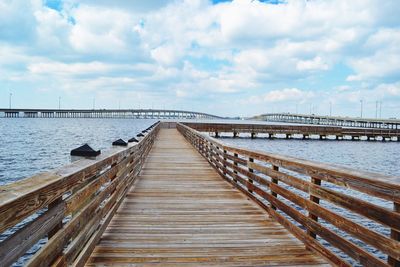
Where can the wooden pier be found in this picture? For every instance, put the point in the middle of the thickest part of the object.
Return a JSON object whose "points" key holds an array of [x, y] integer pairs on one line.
{"points": [[178, 197], [331, 120], [180, 212], [297, 131]]}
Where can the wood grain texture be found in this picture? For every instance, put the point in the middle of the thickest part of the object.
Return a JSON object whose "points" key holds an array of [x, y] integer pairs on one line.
{"points": [[181, 213]]}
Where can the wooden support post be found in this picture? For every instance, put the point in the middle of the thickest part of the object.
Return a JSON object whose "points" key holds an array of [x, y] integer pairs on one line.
{"points": [[217, 158], [275, 181], [316, 200], [251, 170], [235, 163], [396, 236], [224, 171], [59, 225]]}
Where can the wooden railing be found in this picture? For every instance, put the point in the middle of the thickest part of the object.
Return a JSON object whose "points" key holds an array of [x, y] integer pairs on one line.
{"points": [[68, 209], [357, 213]]}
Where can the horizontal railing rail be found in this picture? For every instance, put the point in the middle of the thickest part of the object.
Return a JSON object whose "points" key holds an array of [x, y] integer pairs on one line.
{"points": [[68, 209], [357, 213]]}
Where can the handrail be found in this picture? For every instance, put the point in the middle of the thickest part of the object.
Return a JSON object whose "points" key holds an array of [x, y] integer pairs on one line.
{"points": [[313, 200], [71, 206]]}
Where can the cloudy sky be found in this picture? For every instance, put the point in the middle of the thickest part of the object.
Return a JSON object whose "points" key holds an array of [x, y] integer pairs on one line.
{"points": [[238, 57]]}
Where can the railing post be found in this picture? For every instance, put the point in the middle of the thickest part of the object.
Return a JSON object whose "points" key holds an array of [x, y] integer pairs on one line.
{"points": [[59, 225], [216, 153], [202, 149], [396, 236], [250, 170], [236, 164], [315, 200], [224, 162], [275, 181]]}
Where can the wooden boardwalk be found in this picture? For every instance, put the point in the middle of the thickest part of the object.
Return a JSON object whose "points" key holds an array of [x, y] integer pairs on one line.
{"points": [[180, 212]]}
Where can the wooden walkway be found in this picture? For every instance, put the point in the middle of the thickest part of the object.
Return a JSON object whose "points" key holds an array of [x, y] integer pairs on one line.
{"points": [[181, 212]]}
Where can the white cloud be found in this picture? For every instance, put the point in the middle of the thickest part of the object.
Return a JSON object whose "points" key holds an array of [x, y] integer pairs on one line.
{"points": [[58, 68], [311, 65], [197, 51], [99, 30], [382, 59], [286, 94]]}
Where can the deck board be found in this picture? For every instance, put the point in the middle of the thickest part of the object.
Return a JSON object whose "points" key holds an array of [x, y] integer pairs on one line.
{"points": [[180, 212]]}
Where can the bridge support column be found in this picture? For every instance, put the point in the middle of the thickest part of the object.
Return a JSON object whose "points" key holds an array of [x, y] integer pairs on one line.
{"points": [[253, 135], [322, 137], [306, 136], [355, 138], [288, 136], [271, 136], [235, 134], [216, 134]]}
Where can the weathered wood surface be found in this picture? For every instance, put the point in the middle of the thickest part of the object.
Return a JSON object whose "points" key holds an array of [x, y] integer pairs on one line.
{"points": [[294, 187], [181, 213]]}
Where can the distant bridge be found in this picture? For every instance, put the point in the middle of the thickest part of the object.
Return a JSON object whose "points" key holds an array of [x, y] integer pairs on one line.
{"points": [[331, 120], [105, 113]]}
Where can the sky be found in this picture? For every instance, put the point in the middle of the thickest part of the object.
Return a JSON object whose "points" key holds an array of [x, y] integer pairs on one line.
{"points": [[229, 58]]}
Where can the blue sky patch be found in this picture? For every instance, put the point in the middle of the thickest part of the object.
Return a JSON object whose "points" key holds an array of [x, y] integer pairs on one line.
{"points": [[54, 4]]}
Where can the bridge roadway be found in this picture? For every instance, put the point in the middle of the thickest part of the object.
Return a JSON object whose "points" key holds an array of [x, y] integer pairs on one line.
{"points": [[180, 212], [331, 120], [105, 113]]}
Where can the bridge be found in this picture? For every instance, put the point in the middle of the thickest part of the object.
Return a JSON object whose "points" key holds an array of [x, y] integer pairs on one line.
{"points": [[177, 197], [330, 120], [105, 113]]}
